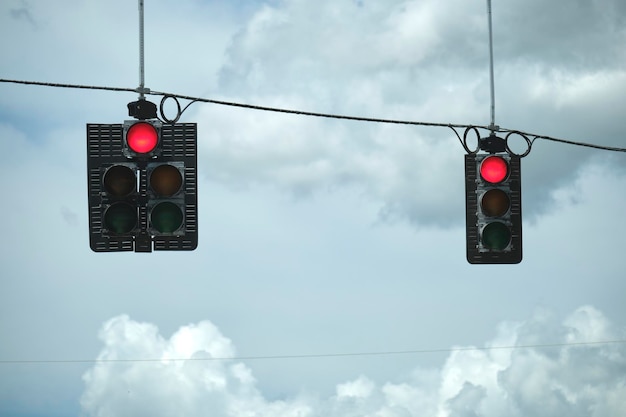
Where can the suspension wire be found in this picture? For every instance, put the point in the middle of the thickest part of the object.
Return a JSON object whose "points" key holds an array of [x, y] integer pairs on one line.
{"points": [[141, 53], [492, 127], [309, 113], [319, 355], [323, 115], [242, 105], [75, 86], [571, 142]]}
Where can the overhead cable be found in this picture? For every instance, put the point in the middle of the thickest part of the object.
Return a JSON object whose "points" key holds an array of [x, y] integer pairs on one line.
{"points": [[312, 356], [316, 114]]}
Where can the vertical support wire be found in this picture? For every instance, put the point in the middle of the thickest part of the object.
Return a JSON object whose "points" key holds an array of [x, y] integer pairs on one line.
{"points": [[141, 61], [492, 126]]}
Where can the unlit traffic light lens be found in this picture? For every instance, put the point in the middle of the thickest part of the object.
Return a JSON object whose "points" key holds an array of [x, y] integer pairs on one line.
{"points": [[166, 180], [119, 181], [494, 169], [496, 236], [495, 203], [166, 217], [142, 137], [120, 218]]}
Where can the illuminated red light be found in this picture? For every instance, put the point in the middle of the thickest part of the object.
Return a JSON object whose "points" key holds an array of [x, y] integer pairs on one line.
{"points": [[142, 137], [494, 169]]}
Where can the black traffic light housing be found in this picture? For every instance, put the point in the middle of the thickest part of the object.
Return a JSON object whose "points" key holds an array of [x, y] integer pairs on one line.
{"points": [[142, 197], [493, 203]]}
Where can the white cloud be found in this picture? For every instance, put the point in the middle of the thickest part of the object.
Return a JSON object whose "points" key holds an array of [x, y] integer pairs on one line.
{"points": [[359, 388], [266, 261], [568, 380], [412, 60], [415, 60]]}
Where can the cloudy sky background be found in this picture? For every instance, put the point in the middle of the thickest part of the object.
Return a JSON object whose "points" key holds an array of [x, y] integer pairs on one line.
{"points": [[317, 236]]}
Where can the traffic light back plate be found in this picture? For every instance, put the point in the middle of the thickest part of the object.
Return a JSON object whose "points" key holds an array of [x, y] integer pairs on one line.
{"points": [[105, 149], [502, 206]]}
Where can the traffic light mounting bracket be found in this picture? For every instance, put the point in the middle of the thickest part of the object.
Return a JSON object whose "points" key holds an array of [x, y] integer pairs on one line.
{"points": [[142, 109], [492, 144]]}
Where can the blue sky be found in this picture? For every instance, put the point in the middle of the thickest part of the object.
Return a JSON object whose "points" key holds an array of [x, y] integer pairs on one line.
{"points": [[317, 236]]}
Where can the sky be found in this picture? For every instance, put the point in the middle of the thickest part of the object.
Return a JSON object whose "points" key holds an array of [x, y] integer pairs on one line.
{"points": [[318, 237]]}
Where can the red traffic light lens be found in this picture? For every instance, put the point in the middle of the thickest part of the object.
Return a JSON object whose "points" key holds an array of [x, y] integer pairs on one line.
{"points": [[494, 169], [142, 137]]}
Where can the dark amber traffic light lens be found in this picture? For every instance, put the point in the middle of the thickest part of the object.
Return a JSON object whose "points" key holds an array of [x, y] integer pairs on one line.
{"points": [[496, 236], [495, 203], [120, 218], [142, 137], [166, 217], [119, 181], [494, 169], [166, 180]]}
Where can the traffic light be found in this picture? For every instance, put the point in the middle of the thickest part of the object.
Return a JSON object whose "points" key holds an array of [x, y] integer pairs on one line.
{"points": [[141, 139], [142, 186], [493, 208]]}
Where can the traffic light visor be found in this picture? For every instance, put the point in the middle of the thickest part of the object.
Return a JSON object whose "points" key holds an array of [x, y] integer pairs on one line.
{"points": [[142, 137]]}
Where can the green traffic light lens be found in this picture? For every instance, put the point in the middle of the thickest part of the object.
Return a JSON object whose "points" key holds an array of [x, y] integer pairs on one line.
{"points": [[496, 236], [166, 217], [495, 203], [120, 218], [119, 181], [166, 180]]}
